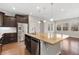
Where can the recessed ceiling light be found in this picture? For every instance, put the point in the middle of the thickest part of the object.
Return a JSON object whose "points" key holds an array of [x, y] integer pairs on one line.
{"points": [[39, 22], [51, 19], [38, 7], [44, 21], [13, 8]]}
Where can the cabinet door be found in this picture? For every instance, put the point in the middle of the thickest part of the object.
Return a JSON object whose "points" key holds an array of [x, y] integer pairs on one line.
{"points": [[0, 49], [9, 21], [22, 18], [1, 18], [28, 43], [11, 37], [35, 47]]}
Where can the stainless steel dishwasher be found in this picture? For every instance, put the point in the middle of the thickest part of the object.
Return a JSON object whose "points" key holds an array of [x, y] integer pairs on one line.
{"points": [[35, 46]]}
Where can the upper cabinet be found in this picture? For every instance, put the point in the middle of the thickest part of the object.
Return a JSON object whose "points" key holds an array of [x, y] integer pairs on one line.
{"points": [[1, 18], [21, 18], [9, 21]]}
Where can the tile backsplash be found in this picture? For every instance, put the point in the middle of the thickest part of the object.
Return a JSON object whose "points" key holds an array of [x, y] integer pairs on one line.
{"points": [[7, 29]]}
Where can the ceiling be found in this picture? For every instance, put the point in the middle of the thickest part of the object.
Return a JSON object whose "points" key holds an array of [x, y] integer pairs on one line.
{"points": [[57, 11]]}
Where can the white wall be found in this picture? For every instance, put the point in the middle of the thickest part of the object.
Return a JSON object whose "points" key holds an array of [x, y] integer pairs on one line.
{"points": [[34, 26], [46, 25], [70, 22]]}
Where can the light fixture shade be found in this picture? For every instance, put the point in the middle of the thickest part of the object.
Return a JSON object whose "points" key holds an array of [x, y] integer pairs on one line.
{"points": [[44, 21], [38, 7], [51, 19], [39, 22], [13, 8]]}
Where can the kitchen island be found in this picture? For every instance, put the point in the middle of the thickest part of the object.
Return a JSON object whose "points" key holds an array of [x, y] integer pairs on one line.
{"points": [[46, 44]]}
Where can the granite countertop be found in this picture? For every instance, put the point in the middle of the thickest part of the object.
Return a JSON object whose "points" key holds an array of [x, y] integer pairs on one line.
{"points": [[46, 38]]}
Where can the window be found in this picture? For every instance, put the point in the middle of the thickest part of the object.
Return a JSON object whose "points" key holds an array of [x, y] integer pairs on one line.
{"points": [[65, 26], [50, 27], [59, 27], [74, 27]]}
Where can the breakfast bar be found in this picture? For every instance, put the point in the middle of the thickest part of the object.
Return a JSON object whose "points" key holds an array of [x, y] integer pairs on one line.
{"points": [[45, 44]]}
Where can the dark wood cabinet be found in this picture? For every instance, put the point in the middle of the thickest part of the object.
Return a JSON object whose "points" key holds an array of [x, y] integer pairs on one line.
{"points": [[21, 18], [28, 43], [9, 21], [0, 49], [1, 18], [9, 38], [33, 45]]}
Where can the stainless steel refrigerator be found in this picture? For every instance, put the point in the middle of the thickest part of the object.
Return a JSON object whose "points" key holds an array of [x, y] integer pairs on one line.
{"points": [[22, 30]]}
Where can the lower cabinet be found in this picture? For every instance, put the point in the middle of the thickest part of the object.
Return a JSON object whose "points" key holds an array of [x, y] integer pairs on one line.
{"points": [[33, 45], [9, 38], [28, 43], [0, 49]]}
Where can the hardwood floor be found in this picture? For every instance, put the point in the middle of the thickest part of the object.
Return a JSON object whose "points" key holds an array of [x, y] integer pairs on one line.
{"points": [[70, 46], [14, 49]]}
